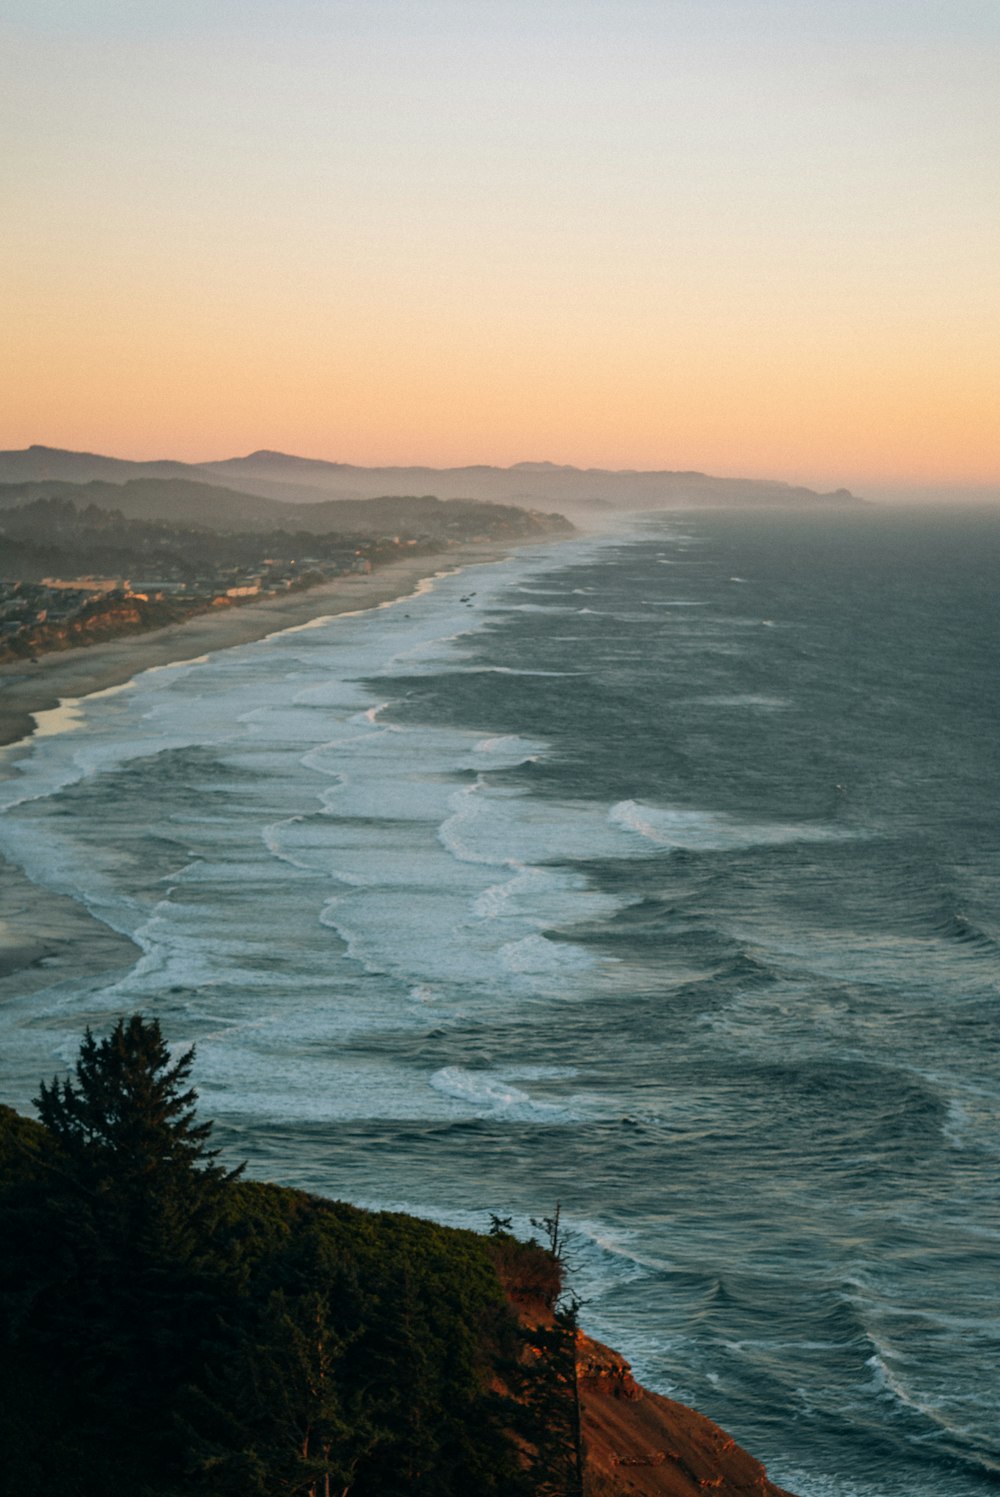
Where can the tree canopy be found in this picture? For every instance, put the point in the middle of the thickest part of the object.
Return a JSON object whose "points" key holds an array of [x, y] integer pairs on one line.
{"points": [[127, 1139], [128, 1107], [169, 1328]]}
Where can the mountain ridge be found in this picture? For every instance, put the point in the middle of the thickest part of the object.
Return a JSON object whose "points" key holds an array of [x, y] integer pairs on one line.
{"points": [[199, 505], [270, 474]]}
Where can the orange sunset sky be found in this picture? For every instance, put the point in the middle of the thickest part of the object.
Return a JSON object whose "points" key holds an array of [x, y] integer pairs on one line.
{"points": [[747, 236]]}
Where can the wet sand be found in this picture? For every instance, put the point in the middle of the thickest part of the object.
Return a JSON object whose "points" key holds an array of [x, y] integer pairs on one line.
{"points": [[26, 689]]}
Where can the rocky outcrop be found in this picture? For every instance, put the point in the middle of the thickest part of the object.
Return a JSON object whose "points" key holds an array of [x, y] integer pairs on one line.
{"points": [[639, 1444]]}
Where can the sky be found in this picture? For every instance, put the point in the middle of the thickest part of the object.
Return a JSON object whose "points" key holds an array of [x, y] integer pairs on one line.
{"points": [[751, 237]]}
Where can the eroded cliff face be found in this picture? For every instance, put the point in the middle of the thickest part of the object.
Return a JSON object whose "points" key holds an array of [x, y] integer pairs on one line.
{"points": [[637, 1442]]}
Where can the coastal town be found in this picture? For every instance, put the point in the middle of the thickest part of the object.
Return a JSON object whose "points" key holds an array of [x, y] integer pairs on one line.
{"points": [[60, 612], [74, 571]]}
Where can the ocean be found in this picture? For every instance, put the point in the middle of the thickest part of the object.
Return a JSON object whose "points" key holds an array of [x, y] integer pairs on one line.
{"points": [[652, 873]]}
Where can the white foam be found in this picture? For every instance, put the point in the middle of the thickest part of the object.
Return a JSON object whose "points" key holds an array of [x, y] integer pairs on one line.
{"points": [[509, 670], [537, 956], [505, 827], [972, 1120], [544, 608], [510, 749], [543, 896], [887, 1381], [711, 831], [70, 713], [486, 1093], [746, 699]]}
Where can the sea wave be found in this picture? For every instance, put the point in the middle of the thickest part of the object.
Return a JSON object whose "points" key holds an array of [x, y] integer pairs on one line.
{"points": [[712, 831], [487, 1094]]}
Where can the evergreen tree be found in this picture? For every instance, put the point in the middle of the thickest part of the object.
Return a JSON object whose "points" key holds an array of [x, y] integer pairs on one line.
{"points": [[135, 1199], [129, 1143], [165, 1330], [127, 1111], [278, 1420], [548, 1415], [279, 1408]]}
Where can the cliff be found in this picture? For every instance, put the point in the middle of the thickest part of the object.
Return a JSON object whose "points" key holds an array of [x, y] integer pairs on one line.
{"points": [[637, 1442], [634, 1443], [167, 1327]]}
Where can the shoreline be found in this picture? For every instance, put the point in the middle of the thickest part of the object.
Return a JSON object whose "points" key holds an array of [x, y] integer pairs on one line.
{"points": [[40, 939], [65, 676]]}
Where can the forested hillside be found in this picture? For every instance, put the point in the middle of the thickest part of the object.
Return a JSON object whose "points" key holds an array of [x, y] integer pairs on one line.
{"points": [[205, 506], [168, 1327]]}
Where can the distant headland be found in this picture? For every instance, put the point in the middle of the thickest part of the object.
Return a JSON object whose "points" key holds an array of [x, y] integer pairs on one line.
{"points": [[300, 480]]}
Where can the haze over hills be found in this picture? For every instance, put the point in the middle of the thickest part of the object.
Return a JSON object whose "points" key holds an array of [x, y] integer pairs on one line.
{"points": [[536, 485], [206, 506], [83, 562], [36, 464]]}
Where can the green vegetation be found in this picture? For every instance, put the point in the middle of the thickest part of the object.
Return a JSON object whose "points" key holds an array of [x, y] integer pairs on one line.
{"points": [[167, 1327], [73, 572], [55, 536], [206, 508], [155, 573]]}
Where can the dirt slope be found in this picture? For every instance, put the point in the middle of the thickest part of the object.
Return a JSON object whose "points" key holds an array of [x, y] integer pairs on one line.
{"points": [[638, 1442]]}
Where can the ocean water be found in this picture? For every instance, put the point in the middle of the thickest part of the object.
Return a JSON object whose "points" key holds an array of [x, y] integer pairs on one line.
{"points": [[654, 873]]}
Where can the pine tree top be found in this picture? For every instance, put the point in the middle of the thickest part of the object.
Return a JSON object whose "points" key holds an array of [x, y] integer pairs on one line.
{"points": [[128, 1109]]}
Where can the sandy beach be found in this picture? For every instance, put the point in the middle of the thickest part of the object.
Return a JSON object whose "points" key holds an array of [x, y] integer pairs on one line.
{"points": [[66, 675], [41, 935]]}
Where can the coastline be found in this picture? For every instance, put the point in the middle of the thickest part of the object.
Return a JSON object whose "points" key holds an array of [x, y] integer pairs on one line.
{"points": [[65, 676], [43, 934]]}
